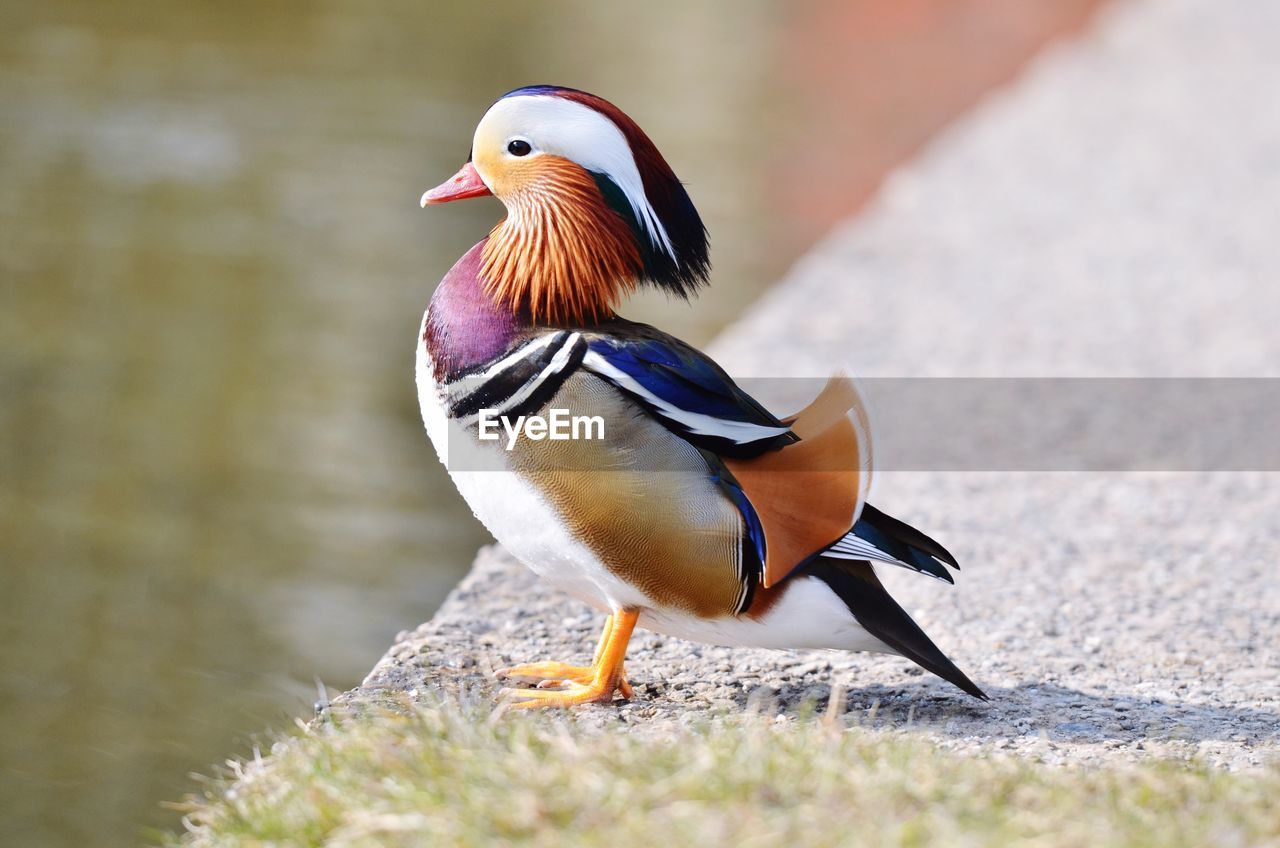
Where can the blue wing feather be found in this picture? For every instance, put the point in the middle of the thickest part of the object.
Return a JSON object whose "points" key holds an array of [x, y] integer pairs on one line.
{"points": [[684, 389], [755, 532]]}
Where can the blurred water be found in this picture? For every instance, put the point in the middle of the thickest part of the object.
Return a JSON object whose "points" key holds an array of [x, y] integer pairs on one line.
{"points": [[214, 487]]}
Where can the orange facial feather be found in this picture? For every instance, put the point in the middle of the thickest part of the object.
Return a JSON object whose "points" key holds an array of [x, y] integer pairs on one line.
{"points": [[561, 254]]}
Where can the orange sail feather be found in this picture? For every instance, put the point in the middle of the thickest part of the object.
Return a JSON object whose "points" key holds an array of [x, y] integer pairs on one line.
{"points": [[809, 494]]}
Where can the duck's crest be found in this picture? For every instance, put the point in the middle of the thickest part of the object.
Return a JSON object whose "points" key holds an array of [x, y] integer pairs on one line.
{"points": [[674, 249]]}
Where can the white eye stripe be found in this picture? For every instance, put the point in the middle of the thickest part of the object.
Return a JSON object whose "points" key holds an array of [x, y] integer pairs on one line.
{"points": [[579, 133]]}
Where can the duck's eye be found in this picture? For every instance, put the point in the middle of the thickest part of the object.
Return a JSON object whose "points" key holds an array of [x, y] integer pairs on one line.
{"points": [[519, 147]]}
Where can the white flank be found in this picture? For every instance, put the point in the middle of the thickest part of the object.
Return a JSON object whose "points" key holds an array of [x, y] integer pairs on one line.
{"points": [[809, 615]]}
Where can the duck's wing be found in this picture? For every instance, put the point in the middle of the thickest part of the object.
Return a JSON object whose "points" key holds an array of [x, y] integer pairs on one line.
{"points": [[684, 389], [800, 483]]}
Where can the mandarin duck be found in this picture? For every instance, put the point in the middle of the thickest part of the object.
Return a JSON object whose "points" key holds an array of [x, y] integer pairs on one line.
{"points": [[695, 512]]}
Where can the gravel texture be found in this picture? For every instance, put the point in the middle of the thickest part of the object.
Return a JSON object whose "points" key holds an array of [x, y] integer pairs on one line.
{"points": [[1113, 213]]}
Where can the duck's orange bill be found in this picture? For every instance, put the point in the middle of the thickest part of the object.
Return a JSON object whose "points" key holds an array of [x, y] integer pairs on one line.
{"points": [[466, 183]]}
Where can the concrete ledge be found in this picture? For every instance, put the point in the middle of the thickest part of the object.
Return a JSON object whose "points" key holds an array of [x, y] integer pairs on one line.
{"points": [[1111, 214], [501, 614]]}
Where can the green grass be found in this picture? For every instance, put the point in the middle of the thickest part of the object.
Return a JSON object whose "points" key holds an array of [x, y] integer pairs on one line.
{"points": [[454, 776]]}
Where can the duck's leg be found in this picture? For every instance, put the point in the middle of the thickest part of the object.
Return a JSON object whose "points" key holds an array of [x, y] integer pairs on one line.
{"points": [[578, 684], [554, 674]]}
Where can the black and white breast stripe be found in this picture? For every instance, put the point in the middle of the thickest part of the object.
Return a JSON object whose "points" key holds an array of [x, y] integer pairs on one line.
{"points": [[520, 382]]}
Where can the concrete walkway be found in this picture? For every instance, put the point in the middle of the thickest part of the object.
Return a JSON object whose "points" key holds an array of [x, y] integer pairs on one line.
{"points": [[1114, 213]]}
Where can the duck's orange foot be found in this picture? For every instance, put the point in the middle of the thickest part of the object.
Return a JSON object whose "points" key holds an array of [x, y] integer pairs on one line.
{"points": [[569, 685], [557, 676], [570, 694]]}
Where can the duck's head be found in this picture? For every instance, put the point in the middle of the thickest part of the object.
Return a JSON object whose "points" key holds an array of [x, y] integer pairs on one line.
{"points": [[592, 207]]}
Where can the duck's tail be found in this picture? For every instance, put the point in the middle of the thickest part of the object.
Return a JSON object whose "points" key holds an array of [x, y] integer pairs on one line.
{"points": [[856, 583]]}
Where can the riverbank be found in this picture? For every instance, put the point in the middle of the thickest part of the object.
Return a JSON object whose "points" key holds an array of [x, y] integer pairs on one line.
{"points": [[445, 774]]}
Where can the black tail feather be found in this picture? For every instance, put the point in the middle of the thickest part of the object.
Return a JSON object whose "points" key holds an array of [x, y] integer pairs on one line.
{"points": [[856, 583], [906, 534]]}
